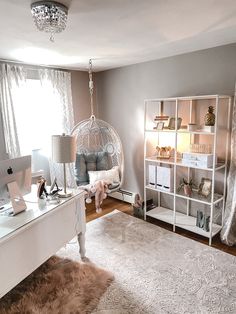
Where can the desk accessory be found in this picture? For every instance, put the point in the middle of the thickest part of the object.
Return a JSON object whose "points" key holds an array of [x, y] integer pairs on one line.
{"points": [[52, 197], [53, 200], [42, 202], [42, 188], [54, 189], [44, 197], [42, 193]]}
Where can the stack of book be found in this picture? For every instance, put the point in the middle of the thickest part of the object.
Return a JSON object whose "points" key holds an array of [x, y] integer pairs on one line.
{"points": [[160, 120]]}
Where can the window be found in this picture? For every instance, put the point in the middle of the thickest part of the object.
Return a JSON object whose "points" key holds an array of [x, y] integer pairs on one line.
{"points": [[38, 116]]}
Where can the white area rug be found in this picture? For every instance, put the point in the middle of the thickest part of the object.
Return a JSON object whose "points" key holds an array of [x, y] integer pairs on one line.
{"points": [[157, 271]]}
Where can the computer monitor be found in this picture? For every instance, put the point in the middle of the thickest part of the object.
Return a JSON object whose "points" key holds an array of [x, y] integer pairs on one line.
{"points": [[15, 176]]}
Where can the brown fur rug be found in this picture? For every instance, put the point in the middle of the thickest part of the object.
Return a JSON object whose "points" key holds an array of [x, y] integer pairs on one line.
{"points": [[59, 286]]}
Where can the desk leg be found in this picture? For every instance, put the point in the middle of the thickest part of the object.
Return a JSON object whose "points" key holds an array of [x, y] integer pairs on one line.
{"points": [[81, 240]]}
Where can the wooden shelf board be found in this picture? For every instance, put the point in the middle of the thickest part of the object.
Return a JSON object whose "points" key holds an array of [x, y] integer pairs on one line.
{"points": [[182, 221]]}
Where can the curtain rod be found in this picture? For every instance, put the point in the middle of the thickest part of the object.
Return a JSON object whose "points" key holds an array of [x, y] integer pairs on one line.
{"points": [[34, 66]]}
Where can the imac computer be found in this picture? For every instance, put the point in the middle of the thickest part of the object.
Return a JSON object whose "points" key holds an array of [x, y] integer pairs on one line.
{"points": [[15, 181]]}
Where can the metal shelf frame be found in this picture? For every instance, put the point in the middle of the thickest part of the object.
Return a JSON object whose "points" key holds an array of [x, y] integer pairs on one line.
{"points": [[175, 162]]}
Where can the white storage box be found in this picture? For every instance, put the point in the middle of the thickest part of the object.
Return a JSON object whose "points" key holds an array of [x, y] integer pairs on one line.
{"points": [[198, 160], [164, 178], [152, 175]]}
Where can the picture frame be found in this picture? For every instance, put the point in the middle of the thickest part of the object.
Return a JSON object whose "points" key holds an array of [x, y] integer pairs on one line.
{"points": [[160, 125], [205, 187], [171, 123]]}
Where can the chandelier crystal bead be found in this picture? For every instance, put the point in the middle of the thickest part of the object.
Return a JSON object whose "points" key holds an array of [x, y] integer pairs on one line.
{"points": [[49, 16]]}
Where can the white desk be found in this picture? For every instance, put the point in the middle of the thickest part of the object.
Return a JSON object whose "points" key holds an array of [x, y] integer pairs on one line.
{"points": [[28, 239]]}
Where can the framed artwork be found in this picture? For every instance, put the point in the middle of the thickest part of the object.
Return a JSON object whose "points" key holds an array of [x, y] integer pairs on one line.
{"points": [[171, 124], [205, 187], [160, 125]]}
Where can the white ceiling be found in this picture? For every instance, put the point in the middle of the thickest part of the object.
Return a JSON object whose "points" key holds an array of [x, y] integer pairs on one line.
{"points": [[117, 32]]}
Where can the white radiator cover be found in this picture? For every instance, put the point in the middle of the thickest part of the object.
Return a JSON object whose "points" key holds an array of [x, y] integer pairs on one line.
{"points": [[124, 195]]}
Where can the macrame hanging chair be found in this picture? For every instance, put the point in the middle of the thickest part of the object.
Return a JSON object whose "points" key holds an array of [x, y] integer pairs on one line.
{"points": [[98, 147]]}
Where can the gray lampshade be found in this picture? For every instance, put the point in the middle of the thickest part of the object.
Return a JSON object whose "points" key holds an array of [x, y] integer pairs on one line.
{"points": [[63, 148]]}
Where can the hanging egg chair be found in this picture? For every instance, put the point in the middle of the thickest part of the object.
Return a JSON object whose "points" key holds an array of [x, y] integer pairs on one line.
{"points": [[99, 153]]}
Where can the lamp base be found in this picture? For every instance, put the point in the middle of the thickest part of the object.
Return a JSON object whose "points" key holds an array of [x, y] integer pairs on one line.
{"points": [[62, 194]]}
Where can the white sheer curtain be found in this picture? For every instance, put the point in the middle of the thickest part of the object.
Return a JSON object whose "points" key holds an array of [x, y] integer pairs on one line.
{"points": [[12, 77], [60, 83], [33, 110], [228, 232]]}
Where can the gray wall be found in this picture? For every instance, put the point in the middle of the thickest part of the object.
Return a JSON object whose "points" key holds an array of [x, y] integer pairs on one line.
{"points": [[121, 94], [81, 96]]}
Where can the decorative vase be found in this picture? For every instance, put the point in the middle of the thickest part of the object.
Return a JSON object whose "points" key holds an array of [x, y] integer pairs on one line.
{"points": [[210, 117], [187, 190]]}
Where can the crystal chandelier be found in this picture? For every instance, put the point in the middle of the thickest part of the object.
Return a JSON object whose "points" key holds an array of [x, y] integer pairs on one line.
{"points": [[49, 16]]}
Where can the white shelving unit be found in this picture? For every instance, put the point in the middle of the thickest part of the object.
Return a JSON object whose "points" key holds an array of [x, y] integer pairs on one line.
{"points": [[191, 110]]}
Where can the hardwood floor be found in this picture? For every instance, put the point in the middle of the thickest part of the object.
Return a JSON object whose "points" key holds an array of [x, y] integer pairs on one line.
{"points": [[110, 204]]}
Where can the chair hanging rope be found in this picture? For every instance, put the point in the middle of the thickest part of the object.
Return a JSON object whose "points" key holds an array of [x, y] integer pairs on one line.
{"points": [[91, 86], [99, 147]]}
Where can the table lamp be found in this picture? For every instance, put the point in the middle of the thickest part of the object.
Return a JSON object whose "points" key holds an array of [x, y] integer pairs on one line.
{"points": [[63, 151]]}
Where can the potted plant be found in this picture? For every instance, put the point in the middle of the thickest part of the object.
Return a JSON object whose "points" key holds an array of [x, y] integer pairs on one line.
{"points": [[187, 186]]}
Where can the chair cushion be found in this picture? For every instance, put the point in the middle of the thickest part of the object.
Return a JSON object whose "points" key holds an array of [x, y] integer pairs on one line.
{"points": [[103, 161], [83, 164], [91, 162], [81, 174]]}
